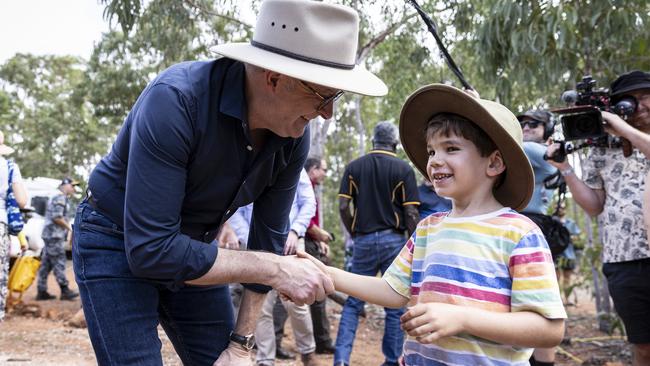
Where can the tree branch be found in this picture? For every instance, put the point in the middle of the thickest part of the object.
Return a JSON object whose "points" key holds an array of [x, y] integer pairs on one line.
{"points": [[364, 51], [213, 13]]}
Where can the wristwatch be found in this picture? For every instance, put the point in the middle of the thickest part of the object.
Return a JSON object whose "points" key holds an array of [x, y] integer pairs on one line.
{"points": [[247, 342]]}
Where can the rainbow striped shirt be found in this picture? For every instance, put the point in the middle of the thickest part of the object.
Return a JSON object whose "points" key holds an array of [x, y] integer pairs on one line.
{"points": [[498, 261]]}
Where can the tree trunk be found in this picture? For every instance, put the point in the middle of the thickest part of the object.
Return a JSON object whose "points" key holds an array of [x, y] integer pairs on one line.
{"points": [[359, 124]]}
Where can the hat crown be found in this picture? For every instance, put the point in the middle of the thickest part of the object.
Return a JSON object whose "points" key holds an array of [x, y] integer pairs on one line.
{"points": [[309, 29]]}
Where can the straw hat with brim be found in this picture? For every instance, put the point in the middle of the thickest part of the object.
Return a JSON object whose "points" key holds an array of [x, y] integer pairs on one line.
{"points": [[308, 40], [4, 149], [496, 120]]}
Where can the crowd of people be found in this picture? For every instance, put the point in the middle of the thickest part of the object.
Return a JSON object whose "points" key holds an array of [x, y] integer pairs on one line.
{"points": [[204, 215]]}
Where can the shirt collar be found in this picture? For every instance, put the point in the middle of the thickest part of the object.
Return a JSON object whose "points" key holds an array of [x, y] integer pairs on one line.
{"points": [[233, 103], [380, 151]]}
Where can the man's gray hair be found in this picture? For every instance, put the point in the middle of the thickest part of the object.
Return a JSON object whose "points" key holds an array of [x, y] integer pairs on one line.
{"points": [[385, 133]]}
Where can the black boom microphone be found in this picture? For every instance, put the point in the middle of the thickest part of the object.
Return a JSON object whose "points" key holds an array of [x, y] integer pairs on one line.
{"points": [[433, 29]]}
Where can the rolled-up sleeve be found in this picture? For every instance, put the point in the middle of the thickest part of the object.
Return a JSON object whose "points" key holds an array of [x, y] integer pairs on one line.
{"points": [[270, 223], [161, 143]]}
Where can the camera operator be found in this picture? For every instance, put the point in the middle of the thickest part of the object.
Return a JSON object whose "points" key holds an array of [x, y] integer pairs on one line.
{"points": [[612, 190]]}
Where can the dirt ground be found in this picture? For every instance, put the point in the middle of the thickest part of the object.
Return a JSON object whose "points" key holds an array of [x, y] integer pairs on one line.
{"points": [[40, 336]]}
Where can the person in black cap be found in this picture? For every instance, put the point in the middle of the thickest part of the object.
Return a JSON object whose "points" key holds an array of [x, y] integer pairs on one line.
{"points": [[537, 127], [384, 195], [55, 233], [611, 188]]}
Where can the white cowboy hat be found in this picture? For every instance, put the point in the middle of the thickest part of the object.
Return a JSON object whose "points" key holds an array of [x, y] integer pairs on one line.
{"points": [[308, 40], [4, 149], [496, 120]]}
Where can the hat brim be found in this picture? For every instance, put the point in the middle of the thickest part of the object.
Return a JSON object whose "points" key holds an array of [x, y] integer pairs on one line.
{"points": [[5, 150], [631, 88], [517, 187], [357, 80]]}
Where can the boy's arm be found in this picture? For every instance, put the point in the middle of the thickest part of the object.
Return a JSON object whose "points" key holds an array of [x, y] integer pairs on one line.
{"points": [[432, 321], [367, 288]]}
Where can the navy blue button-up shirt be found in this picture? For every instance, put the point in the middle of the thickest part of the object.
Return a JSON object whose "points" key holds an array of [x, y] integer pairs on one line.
{"points": [[183, 163]]}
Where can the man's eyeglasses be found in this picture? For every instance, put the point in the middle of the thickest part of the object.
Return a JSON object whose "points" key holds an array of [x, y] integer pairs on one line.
{"points": [[531, 124], [325, 101]]}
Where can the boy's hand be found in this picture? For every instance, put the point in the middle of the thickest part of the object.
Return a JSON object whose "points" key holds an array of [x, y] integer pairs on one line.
{"points": [[319, 264], [234, 355], [432, 321]]}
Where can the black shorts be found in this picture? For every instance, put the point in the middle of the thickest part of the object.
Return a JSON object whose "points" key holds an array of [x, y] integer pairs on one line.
{"points": [[629, 287]]}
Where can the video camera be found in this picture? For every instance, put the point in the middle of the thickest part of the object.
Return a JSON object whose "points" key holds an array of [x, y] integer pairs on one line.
{"points": [[583, 122]]}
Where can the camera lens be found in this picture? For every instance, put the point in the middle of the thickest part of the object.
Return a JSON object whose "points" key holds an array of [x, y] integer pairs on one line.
{"points": [[584, 125]]}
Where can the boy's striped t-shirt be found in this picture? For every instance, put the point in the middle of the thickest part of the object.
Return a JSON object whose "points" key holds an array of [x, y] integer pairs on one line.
{"points": [[498, 262]]}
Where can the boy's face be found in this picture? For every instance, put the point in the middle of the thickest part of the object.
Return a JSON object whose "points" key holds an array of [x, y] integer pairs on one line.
{"points": [[456, 167]]}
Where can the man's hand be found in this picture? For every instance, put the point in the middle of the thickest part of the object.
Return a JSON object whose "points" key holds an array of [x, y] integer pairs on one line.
{"points": [[432, 321], [227, 238], [319, 234], [550, 151], [303, 280], [291, 243], [615, 125], [324, 248], [234, 355]]}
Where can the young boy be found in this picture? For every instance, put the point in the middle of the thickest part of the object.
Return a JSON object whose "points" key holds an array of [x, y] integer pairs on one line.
{"points": [[479, 280]]}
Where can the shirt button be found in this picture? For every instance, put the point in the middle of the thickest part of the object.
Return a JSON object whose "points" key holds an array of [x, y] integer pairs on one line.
{"points": [[249, 147], [228, 212]]}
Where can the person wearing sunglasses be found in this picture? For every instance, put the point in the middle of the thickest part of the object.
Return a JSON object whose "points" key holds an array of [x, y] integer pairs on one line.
{"points": [[611, 188], [537, 127]]}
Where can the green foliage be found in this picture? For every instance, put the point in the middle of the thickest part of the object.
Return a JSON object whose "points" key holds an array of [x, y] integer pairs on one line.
{"points": [[532, 50], [47, 115]]}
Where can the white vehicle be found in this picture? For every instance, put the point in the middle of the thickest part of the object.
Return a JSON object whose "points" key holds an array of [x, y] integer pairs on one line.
{"points": [[40, 191]]}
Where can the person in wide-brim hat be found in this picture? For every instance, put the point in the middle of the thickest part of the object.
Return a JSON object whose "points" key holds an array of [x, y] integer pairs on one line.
{"points": [[308, 40], [4, 149], [496, 120]]}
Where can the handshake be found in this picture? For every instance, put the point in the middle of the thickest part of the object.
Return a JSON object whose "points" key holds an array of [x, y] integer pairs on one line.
{"points": [[302, 279]]}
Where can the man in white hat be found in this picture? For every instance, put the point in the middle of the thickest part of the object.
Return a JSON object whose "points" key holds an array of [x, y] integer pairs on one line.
{"points": [[203, 139]]}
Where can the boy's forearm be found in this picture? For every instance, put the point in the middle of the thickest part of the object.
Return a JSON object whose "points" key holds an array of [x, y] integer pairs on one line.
{"points": [[367, 288], [524, 329]]}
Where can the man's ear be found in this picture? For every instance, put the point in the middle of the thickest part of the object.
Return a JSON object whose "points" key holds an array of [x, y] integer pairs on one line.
{"points": [[271, 79], [496, 164]]}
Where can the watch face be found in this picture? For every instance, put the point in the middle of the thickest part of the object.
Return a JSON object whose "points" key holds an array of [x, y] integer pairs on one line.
{"points": [[247, 342], [250, 341]]}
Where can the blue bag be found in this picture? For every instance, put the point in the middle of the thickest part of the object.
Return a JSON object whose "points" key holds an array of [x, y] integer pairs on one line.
{"points": [[14, 217]]}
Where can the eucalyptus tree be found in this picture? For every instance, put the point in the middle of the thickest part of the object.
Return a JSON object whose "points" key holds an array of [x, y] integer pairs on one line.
{"points": [[532, 50]]}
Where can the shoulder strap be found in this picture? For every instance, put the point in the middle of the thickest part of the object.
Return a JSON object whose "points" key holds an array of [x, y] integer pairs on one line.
{"points": [[10, 166]]}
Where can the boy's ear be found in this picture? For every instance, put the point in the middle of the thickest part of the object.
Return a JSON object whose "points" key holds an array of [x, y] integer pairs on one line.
{"points": [[496, 164]]}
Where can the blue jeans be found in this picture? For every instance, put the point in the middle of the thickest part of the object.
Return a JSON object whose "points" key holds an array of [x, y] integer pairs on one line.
{"points": [[371, 253], [123, 311]]}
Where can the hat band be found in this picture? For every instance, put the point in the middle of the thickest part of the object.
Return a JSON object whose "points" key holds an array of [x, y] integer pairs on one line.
{"points": [[301, 57]]}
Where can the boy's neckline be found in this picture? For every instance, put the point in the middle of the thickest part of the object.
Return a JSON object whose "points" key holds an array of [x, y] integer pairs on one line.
{"points": [[482, 216]]}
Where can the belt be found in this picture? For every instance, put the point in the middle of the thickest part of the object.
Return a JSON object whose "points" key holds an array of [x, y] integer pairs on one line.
{"points": [[91, 200], [206, 237]]}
